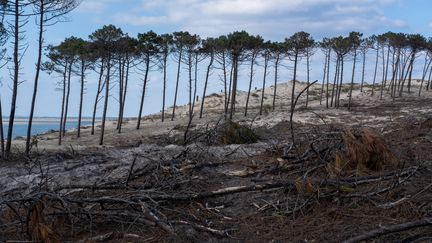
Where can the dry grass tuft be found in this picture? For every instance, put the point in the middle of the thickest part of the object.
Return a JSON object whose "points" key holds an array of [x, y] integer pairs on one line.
{"points": [[38, 229], [363, 151]]}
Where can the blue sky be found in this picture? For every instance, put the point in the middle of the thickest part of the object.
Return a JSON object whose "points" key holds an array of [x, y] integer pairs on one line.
{"points": [[273, 19]]}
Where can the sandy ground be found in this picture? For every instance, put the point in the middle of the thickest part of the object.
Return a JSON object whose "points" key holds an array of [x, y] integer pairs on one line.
{"points": [[213, 111]]}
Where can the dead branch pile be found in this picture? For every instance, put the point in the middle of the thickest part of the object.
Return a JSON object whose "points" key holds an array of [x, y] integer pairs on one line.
{"points": [[197, 196]]}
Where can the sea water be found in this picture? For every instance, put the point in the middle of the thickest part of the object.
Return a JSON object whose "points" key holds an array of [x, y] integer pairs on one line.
{"points": [[20, 129]]}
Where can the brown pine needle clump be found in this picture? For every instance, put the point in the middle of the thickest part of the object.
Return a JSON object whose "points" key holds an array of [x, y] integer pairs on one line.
{"points": [[362, 151]]}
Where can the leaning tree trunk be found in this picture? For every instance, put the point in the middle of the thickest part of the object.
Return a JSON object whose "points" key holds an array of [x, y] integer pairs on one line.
{"points": [[15, 76], [99, 90], [81, 98], [36, 80], [143, 92], [177, 83], [250, 82], [195, 86], [67, 100], [205, 84], [352, 81], [107, 88], [266, 60]]}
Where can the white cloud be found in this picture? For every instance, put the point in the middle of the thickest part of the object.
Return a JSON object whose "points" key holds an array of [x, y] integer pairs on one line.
{"points": [[271, 18]]}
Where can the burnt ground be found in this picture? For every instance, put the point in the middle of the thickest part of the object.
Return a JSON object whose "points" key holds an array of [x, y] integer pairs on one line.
{"points": [[269, 191]]}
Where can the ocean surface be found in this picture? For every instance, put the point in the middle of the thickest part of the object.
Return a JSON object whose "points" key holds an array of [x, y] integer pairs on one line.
{"points": [[20, 129]]}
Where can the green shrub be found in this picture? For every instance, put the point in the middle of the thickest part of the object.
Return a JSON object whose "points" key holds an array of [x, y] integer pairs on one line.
{"points": [[234, 133]]}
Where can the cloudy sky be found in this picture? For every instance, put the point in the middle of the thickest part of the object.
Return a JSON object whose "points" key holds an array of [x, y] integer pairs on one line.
{"points": [[273, 19]]}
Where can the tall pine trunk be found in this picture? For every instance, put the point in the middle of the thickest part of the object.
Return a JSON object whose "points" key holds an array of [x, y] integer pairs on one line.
{"points": [[324, 77], [15, 76], [81, 97], [63, 104], [308, 79], [147, 63], [99, 90], [107, 88], [67, 99], [126, 83], [363, 72], [2, 144], [205, 84], [164, 85], [294, 82], [352, 81], [36, 80], [177, 84], [266, 60], [276, 69], [234, 86], [250, 82]]}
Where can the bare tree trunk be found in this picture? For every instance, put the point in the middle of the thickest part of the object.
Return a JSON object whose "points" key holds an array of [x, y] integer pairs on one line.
{"points": [[190, 83], [340, 83], [195, 86], [126, 82], [335, 82], [375, 73], [276, 69], [99, 90], [107, 88], [266, 60], [234, 88], [1, 131], [324, 77], [363, 72], [63, 105], [15, 76], [294, 81], [36, 80], [388, 58], [225, 84], [67, 100], [205, 84], [328, 79], [230, 87], [81, 97], [250, 82], [352, 81], [121, 77], [164, 85], [177, 83], [429, 80], [308, 78], [143, 91]]}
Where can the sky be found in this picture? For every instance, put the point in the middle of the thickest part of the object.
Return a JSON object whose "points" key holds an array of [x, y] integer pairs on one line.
{"points": [[272, 19]]}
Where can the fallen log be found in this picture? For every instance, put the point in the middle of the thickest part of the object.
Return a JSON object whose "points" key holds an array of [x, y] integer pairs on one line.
{"points": [[391, 229]]}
